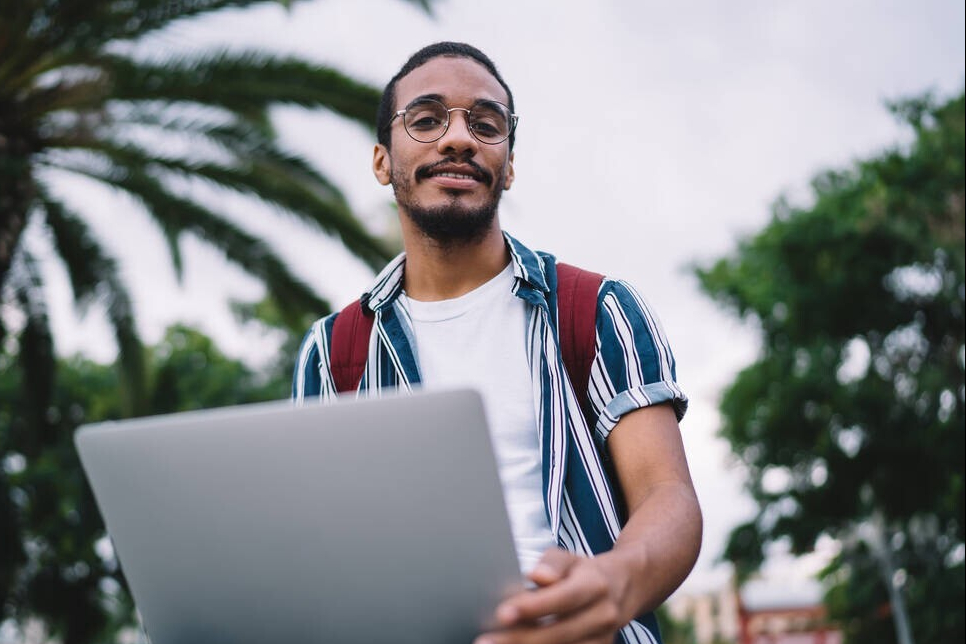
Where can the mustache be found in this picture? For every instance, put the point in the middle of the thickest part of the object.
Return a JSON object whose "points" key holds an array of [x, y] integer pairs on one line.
{"points": [[423, 172]]}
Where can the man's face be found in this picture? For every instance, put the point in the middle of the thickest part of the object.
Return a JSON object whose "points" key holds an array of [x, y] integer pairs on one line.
{"points": [[449, 188]]}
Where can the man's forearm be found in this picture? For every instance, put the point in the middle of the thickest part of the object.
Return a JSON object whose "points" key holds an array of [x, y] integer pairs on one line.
{"points": [[662, 537], [588, 599], [657, 547]]}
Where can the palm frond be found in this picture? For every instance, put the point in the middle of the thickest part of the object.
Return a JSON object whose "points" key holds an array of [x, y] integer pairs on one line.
{"points": [[245, 83], [177, 216], [93, 272], [36, 33], [130, 19], [15, 18], [85, 89], [282, 180], [174, 252], [86, 264], [425, 5], [134, 18], [232, 135], [39, 35]]}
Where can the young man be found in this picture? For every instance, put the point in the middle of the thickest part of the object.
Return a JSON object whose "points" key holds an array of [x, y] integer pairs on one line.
{"points": [[603, 513]]}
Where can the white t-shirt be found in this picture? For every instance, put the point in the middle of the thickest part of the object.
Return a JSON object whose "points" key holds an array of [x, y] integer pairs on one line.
{"points": [[478, 340]]}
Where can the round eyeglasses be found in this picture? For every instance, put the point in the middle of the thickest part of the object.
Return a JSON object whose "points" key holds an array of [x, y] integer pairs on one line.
{"points": [[426, 120]]}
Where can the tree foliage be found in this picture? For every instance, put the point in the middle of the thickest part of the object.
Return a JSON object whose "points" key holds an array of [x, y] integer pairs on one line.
{"points": [[60, 573], [851, 422], [75, 99], [675, 631], [174, 132]]}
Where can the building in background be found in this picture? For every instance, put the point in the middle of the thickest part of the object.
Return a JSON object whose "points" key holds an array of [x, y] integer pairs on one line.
{"points": [[760, 612]]}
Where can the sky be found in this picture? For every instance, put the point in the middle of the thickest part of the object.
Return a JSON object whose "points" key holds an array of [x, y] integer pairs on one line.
{"points": [[653, 137]]}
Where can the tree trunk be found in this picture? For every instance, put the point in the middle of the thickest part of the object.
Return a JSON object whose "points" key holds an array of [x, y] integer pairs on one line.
{"points": [[16, 192], [13, 219], [879, 543]]}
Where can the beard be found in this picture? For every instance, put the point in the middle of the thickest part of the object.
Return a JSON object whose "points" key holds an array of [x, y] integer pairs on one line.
{"points": [[452, 223]]}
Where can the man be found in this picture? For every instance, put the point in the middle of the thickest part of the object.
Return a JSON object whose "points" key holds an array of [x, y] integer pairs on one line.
{"points": [[604, 517]]}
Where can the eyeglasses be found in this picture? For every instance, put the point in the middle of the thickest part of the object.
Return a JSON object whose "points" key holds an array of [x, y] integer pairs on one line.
{"points": [[426, 120]]}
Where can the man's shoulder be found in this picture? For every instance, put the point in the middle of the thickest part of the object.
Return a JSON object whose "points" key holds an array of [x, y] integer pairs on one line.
{"points": [[319, 333], [568, 271]]}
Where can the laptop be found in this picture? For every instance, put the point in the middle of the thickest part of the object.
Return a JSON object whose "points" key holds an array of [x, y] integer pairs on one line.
{"points": [[364, 521]]}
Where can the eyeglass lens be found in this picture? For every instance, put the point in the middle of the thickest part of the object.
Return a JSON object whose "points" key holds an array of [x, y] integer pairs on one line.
{"points": [[427, 121]]}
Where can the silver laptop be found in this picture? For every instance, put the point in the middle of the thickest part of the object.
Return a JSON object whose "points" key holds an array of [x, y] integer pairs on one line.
{"points": [[364, 521]]}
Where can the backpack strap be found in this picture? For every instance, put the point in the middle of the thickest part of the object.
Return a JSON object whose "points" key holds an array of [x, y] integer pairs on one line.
{"points": [[576, 313], [350, 346], [577, 324]]}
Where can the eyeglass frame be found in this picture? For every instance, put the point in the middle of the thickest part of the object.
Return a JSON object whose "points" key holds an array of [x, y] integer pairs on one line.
{"points": [[514, 119]]}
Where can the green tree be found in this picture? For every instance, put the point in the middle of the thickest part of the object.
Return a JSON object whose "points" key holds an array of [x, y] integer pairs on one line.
{"points": [[77, 98], [674, 631], [851, 421], [60, 575], [74, 98]]}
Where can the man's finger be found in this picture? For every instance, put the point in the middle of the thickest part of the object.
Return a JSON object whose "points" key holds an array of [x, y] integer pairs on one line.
{"points": [[583, 586], [595, 623], [553, 566]]}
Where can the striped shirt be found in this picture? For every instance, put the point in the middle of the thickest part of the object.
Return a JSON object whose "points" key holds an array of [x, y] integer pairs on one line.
{"points": [[633, 368]]}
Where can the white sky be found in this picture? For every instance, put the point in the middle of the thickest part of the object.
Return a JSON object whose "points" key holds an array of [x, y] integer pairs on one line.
{"points": [[653, 135]]}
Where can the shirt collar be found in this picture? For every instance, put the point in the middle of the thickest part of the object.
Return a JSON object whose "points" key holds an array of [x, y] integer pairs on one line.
{"points": [[528, 268]]}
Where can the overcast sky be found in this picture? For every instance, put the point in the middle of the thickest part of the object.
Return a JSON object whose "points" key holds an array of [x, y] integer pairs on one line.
{"points": [[680, 122]]}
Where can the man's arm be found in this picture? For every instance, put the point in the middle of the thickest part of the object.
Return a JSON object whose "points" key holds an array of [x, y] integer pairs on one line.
{"points": [[582, 599]]}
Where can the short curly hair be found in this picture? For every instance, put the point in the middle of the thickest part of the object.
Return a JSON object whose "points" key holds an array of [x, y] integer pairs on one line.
{"points": [[449, 49]]}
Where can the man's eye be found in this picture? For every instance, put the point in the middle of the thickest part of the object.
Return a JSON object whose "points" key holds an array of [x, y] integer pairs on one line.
{"points": [[487, 127], [425, 122], [484, 128]]}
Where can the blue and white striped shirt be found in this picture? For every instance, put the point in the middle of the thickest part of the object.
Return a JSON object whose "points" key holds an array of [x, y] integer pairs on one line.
{"points": [[633, 368]]}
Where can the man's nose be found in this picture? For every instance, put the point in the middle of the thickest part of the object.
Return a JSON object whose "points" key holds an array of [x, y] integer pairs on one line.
{"points": [[457, 138]]}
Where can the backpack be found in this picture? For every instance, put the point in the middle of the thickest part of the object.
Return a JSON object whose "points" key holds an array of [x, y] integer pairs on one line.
{"points": [[576, 315]]}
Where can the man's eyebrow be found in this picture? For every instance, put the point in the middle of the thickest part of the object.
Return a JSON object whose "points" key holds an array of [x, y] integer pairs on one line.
{"points": [[426, 97], [440, 99], [487, 101]]}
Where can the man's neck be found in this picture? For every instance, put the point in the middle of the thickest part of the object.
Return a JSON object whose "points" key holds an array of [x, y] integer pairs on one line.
{"points": [[436, 272]]}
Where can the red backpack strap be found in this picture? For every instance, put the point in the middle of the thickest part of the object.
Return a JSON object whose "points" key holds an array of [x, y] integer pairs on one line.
{"points": [[577, 319], [350, 346]]}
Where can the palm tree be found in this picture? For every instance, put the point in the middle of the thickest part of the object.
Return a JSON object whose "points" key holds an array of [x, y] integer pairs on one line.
{"points": [[69, 101], [75, 98]]}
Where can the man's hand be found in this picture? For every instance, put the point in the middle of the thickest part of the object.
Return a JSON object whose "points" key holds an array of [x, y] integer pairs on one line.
{"points": [[577, 600], [587, 600]]}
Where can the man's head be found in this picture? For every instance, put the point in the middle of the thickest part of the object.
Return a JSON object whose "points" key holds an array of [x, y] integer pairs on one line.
{"points": [[447, 184], [387, 105]]}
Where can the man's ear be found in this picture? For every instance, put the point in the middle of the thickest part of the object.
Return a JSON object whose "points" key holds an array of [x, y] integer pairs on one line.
{"points": [[381, 165], [508, 178]]}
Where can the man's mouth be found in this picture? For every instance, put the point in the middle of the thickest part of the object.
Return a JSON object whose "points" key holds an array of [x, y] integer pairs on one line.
{"points": [[455, 175]]}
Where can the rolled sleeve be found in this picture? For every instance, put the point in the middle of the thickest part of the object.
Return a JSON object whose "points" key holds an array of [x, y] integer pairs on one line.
{"points": [[634, 366]]}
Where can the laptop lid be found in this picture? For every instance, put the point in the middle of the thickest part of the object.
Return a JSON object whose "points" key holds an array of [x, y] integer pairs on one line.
{"points": [[364, 521]]}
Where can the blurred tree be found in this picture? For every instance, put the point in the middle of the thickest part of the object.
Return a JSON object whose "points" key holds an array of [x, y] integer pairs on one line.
{"points": [[674, 631], [851, 421], [62, 573], [267, 320], [77, 98]]}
